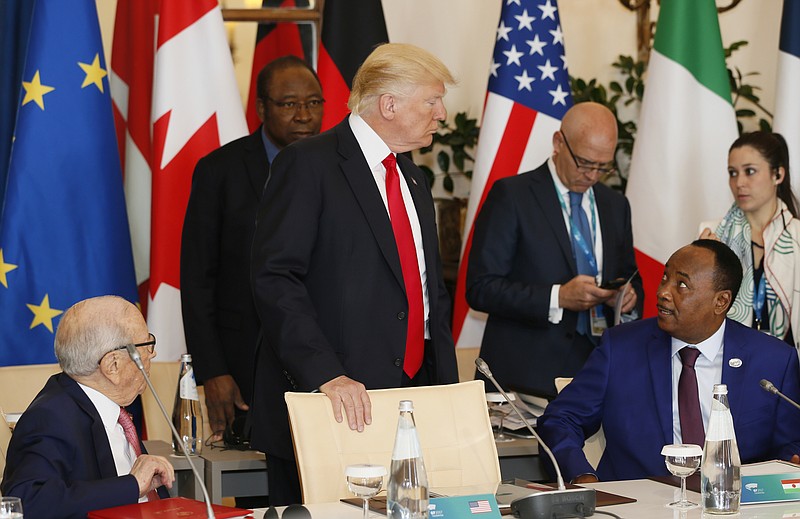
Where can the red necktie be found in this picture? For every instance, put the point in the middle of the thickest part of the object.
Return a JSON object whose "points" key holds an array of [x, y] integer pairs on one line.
{"points": [[130, 434], [415, 336], [691, 418]]}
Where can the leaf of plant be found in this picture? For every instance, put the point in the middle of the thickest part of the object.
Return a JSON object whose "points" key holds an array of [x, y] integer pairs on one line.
{"points": [[447, 183], [443, 160]]}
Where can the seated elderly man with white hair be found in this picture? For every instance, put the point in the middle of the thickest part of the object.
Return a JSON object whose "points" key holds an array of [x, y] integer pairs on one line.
{"points": [[75, 448]]}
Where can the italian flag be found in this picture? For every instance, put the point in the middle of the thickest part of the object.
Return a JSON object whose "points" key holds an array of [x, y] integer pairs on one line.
{"points": [[791, 485], [678, 176]]}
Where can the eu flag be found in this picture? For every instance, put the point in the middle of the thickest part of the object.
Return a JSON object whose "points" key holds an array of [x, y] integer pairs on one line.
{"points": [[64, 230]]}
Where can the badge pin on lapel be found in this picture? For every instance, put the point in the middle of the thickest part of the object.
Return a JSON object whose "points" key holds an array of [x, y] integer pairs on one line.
{"points": [[735, 363]]}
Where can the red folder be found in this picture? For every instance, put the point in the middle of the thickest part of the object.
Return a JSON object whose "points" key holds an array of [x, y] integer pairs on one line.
{"points": [[174, 507]]}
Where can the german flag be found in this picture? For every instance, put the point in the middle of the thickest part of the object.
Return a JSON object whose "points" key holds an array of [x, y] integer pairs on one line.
{"points": [[350, 31]]}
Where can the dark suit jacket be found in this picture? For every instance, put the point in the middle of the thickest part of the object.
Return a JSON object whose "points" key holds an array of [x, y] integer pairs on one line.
{"points": [[327, 280], [219, 316], [520, 249], [626, 386], [59, 459]]}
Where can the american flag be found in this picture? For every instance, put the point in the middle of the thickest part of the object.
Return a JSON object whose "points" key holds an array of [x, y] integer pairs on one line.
{"points": [[481, 506], [528, 94]]}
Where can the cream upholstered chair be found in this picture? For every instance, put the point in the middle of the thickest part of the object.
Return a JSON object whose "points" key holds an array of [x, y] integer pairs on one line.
{"points": [[594, 446], [19, 385], [454, 429]]}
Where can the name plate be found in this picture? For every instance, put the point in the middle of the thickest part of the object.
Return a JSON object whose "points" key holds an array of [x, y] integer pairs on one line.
{"points": [[770, 488], [483, 506]]}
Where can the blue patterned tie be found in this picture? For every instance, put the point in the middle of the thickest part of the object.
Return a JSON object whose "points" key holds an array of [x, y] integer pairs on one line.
{"points": [[580, 222]]}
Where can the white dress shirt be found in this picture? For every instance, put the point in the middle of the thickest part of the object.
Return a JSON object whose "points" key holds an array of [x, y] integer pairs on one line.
{"points": [[121, 450], [375, 151], [556, 312]]}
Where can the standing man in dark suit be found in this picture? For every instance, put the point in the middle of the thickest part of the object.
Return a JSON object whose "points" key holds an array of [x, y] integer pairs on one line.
{"points": [[545, 241], [75, 449], [632, 384], [219, 317], [346, 270]]}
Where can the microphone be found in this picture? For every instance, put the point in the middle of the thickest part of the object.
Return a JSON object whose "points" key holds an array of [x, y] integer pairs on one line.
{"points": [[557, 503], [769, 387], [133, 352]]}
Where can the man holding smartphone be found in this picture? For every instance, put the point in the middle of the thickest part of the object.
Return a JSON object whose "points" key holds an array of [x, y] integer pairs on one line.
{"points": [[551, 254]]}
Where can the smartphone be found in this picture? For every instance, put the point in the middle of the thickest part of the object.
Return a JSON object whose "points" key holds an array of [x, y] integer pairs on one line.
{"points": [[613, 284]]}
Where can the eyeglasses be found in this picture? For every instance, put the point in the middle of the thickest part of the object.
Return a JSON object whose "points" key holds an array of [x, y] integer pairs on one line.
{"points": [[150, 345], [585, 166], [291, 107]]}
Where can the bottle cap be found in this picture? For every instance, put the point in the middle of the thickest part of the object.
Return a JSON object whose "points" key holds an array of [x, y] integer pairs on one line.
{"points": [[186, 357], [720, 389], [406, 405]]}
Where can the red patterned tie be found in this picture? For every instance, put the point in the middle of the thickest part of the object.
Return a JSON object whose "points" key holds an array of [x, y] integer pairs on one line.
{"points": [[130, 434], [691, 418], [415, 336]]}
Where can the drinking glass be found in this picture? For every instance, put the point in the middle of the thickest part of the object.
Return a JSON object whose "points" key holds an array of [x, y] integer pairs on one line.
{"points": [[682, 460], [10, 508], [496, 407], [365, 480]]}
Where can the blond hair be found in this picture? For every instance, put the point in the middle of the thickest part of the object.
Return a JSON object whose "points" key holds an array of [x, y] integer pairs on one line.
{"points": [[395, 68]]}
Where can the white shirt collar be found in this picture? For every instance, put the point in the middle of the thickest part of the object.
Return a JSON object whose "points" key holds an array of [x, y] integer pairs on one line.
{"points": [[709, 348], [372, 146], [106, 408]]}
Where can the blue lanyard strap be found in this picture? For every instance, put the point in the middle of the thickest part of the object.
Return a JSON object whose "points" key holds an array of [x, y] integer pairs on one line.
{"points": [[759, 296], [576, 234]]}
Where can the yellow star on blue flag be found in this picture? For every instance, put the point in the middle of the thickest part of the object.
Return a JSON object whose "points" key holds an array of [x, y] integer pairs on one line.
{"points": [[43, 314], [35, 91], [63, 231], [94, 73]]}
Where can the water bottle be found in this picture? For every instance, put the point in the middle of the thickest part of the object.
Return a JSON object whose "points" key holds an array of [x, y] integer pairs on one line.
{"points": [[187, 416], [407, 494], [720, 470]]}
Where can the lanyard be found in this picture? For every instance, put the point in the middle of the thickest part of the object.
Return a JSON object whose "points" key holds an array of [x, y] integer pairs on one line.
{"points": [[581, 242], [759, 296]]}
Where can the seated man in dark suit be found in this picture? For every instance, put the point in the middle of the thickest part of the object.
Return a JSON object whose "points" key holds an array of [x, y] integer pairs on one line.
{"points": [[74, 449], [631, 384]]}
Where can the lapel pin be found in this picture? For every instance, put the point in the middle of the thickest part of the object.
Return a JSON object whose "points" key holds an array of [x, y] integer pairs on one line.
{"points": [[735, 363], [414, 181]]}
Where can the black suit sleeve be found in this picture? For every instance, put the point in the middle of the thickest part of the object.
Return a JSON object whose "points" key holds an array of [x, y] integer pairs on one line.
{"points": [[200, 268], [497, 233], [286, 235]]}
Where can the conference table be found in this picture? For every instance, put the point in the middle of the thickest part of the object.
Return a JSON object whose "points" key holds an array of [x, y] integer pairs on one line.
{"points": [[651, 498]]}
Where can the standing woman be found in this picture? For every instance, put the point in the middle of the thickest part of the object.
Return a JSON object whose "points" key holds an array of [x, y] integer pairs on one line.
{"points": [[762, 229]]}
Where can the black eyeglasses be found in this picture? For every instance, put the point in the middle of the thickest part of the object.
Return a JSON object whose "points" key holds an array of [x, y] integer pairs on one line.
{"points": [[586, 166], [150, 345], [291, 107]]}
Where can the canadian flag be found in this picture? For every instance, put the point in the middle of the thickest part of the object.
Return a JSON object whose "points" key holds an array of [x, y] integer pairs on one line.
{"points": [[175, 100]]}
